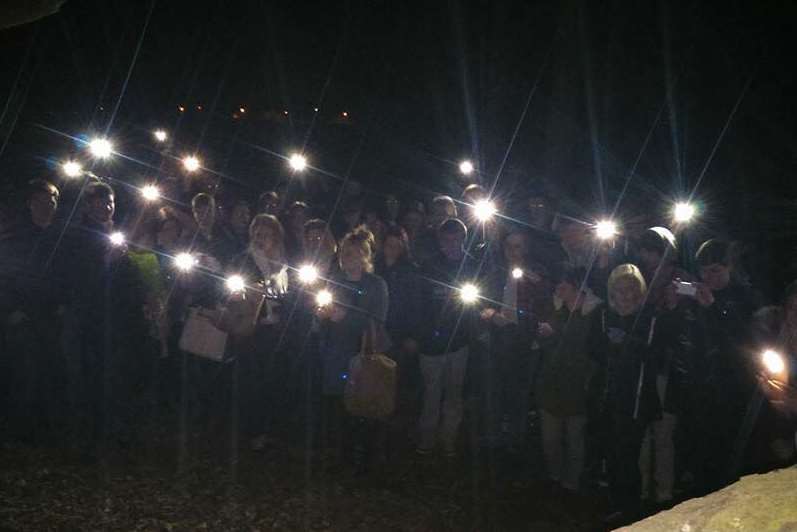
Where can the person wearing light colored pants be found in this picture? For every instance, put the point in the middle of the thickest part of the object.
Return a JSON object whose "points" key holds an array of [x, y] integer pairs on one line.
{"points": [[444, 381], [563, 447], [657, 457]]}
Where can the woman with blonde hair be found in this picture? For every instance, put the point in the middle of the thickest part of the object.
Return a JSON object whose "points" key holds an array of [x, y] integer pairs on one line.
{"points": [[624, 346], [359, 304], [260, 344]]}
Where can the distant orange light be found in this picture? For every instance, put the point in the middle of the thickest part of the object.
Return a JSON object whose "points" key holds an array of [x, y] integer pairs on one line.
{"points": [[242, 110], [344, 114], [198, 107], [285, 113], [236, 116], [181, 109]]}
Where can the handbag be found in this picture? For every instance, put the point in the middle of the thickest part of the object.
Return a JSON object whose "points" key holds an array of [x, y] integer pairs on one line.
{"points": [[202, 338], [370, 390]]}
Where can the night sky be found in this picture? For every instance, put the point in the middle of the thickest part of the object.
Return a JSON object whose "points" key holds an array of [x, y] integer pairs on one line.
{"points": [[425, 85]]}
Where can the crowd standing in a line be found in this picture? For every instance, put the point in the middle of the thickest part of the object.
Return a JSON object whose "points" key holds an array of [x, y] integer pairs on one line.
{"points": [[639, 361]]}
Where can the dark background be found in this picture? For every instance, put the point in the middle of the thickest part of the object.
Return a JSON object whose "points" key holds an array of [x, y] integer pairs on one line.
{"points": [[425, 85]]}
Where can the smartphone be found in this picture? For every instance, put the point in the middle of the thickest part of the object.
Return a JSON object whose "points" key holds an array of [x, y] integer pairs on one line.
{"points": [[685, 289]]}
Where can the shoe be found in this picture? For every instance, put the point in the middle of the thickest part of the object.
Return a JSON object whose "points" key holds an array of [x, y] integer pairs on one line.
{"points": [[258, 443], [423, 451]]}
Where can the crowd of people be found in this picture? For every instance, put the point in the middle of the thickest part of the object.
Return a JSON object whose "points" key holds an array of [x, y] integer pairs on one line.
{"points": [[639, 361]]}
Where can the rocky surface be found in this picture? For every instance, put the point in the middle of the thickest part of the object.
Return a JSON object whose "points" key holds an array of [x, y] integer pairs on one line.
{"points": [[756, 503]]}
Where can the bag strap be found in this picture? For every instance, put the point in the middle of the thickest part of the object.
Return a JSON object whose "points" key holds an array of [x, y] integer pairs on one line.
{"points": [[368, 341]]}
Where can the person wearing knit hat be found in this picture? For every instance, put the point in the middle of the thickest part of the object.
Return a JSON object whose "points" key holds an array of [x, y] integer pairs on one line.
{"points": [[657, 251]]}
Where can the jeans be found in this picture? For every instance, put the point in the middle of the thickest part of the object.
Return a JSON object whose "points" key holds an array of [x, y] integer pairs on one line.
{"points": [[563, 447], [624, 478], [444, 380]]}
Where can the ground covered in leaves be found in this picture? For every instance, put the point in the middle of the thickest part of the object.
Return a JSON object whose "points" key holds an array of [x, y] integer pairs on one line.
{"points": [[282, 488]]}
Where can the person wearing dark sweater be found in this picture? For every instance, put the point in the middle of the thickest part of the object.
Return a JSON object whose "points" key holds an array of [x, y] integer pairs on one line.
{"points": [[448, 324], [104, 322], [30, 294], [404, 316], [359, 307]]}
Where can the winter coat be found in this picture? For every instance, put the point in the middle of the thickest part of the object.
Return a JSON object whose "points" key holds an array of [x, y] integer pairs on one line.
{"points": [[105, 290], [29, 283], [405, 312], [625, 347], [722, 337], [448, 323], [567, 366]]}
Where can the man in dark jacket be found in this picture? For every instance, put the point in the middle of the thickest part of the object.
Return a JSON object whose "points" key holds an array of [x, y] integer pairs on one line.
{"points": [[28, 316], [449, 320], [104, 323], [723, 381]]}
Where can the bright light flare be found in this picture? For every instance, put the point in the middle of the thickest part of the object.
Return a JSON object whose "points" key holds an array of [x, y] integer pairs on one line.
{"points": [[308, 274], [191, 163], [298, 162], [469, 293], [517, 273], [117, 238], [185, 262], [150, 192], [72, 169], [101, 148], [773, 362], [160, 135], [235, 284], [323, 298], [606, 229], [684, 212], [466, 168], [484, 210]]}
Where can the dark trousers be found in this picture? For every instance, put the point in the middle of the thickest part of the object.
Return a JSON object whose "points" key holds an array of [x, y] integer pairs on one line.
{"points": [[356, 440], [271, 377], [32, 384], [625, 482], [506, 364]]}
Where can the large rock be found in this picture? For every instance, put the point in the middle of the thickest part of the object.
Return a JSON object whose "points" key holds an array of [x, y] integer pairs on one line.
{"points": [[16, 12], [756, 503]]}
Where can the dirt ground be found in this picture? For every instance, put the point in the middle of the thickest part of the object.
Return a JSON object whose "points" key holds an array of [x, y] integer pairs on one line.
{"points": [[282, 488]]}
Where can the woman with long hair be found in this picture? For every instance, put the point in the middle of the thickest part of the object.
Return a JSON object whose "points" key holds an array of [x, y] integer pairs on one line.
{"points": [[260, 344], [359, 305], [394, 264]]}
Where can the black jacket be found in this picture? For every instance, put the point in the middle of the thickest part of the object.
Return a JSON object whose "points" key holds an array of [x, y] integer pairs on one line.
{"points": [[448, 323], [626, 347], [405, 312], [28, 280]]}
